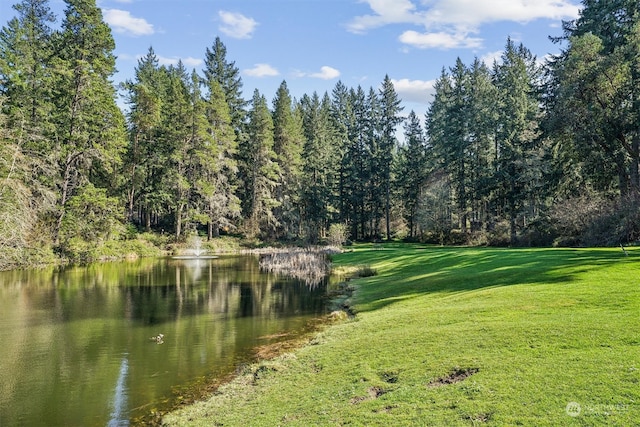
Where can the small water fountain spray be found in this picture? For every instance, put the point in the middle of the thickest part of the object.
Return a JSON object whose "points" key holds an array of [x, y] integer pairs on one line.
{"points": [[196, 245], [194, 249]]}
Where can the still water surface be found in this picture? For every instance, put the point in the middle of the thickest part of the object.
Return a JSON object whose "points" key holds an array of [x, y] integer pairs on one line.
{"points": [[76, 347]]}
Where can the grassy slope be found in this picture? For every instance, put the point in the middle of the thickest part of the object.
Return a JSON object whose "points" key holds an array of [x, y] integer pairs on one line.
{"points": [[544, 327]]}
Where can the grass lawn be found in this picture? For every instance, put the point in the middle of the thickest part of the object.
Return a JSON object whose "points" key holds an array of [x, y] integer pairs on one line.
{"points": [[459, 337]]}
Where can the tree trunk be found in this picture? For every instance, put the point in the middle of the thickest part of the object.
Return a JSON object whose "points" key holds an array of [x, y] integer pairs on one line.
{"points": [[388, 212], [634, 172], [66, 184], [512, 229], [179, 221]]}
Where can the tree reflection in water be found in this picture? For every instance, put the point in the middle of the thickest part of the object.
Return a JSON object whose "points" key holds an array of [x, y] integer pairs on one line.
{"points": [[65, 331]]}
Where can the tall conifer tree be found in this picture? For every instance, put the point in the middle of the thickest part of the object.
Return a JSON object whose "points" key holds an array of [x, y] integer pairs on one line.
{"points": [[390, 118], [143, 158], [25, 71], [263, 169], [224, 205], [319, 165], [288, 143], [177, 138], [90, 132], [517, 80], [412, 170]]}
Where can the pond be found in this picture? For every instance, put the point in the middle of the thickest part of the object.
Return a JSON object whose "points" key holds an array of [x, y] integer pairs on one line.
{"points": [[80, 346]]}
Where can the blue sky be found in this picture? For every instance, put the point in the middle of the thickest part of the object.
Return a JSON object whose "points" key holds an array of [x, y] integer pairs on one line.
{"points": [[314, 43]]}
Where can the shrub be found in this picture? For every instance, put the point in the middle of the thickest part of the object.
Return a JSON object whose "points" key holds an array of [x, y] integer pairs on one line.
{"points": [[500, 234], [538, 233], [457, 237], [596, 220], [91, 215], [366, 271], [337, 235], [130, 232], [158, 240]]}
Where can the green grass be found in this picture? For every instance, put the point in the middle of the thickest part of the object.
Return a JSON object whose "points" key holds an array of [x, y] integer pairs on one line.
{"points": [[535, 329]]}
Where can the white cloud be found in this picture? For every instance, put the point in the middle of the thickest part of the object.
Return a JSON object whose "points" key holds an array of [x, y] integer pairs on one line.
{"points": [[448, 23], [420, 91], [192, 62], [261, 70], [478, 12], [236, 25], [127, 57], [326, 73], [386, 12], [440, 40], [188, 61], [548, 58], [490, 57], [298, 73], [122, 22]]}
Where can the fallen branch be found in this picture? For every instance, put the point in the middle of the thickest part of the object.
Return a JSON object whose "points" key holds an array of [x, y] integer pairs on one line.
{"points": [[624, 250]]}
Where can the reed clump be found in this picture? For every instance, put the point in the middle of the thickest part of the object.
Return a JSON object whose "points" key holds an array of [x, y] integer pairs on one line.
{"points": [[312, 265], [366, 271]]}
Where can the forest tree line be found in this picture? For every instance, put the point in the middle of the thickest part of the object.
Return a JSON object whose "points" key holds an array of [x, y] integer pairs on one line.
{"points": [[514, 152]]}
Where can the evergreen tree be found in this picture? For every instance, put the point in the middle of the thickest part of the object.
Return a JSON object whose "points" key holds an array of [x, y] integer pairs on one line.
{"points": [[595, 109], [23, 201], [143, 159], [228, 77], [27, 162], [288, 143], [374, 163], [25, 72], [357, 160], [224, 205], [343, 121], [176, 138], [389, 120], [438, 130], [461, 125], [517, 81], [481, 101], [263, 170], [412, 170], [204, 168], [457, 144], [319, 164], [90, 132]]}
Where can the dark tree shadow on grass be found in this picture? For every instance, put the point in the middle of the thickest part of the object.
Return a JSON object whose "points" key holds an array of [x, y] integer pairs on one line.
{"points": [[406, 271]]}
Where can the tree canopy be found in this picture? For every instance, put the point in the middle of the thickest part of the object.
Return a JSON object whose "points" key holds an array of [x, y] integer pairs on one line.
{"points": [[507, 153]]}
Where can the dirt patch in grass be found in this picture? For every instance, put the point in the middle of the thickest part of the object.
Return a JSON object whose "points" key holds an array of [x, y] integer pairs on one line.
{"points": [[390, 377], [372, 393], [480, 418], [457, 375], [386, 409]]}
